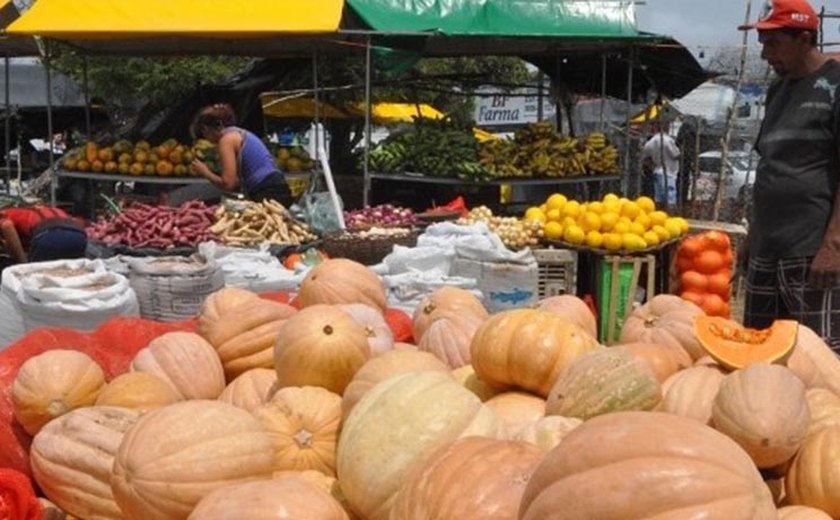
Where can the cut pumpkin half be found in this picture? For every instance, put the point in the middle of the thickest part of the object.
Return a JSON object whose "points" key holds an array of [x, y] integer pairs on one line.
{"points": [[735, 346]]}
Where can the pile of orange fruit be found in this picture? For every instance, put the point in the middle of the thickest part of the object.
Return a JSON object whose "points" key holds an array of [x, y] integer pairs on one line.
{"points": [[704, 264]]}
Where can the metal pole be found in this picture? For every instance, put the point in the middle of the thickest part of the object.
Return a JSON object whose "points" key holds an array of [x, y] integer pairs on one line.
{"points": [[86, 87], [53, 178], [540, 96], [603, 91], [368, 137], [8, 128], [625, 180], [730, 113], [316, 97], [822, 29]]}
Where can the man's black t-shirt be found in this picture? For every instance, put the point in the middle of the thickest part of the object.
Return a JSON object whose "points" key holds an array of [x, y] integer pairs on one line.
{"points": [[799, 171]]}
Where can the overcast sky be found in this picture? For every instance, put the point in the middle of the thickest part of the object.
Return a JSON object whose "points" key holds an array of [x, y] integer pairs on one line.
{"points": [[711, 23]]}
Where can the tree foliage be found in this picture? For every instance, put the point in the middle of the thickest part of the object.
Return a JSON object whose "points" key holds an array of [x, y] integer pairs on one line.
{"points": [[129, 82]]}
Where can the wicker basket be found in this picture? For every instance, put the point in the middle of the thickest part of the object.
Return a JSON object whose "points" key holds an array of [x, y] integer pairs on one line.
{"points": [[368, 250]]}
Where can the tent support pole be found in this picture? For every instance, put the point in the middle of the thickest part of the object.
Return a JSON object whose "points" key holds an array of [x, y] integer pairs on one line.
{"points": [[368, 136], [53, 178], [8, 127], [603, 91], [625, 179], [317, 101], [86, 89]]}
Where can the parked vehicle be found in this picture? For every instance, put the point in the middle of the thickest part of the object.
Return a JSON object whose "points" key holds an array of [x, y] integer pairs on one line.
{"points": [[739, 176]]}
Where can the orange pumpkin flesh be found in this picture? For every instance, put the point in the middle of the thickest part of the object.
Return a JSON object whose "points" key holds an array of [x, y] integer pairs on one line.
{"points": [[734, 346]]}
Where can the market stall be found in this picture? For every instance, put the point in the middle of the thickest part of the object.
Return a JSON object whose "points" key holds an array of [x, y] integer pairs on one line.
{"points": [[337, 389]]}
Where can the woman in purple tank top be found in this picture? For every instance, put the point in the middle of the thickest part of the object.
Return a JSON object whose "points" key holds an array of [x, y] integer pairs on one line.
{"points": [[246, 164]]}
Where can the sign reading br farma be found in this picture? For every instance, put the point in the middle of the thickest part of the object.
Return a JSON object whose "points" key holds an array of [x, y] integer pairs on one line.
{"points": [[518, 109]]}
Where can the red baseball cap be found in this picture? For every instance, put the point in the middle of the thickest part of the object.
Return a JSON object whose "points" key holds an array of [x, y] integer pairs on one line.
{"points": [[785, 14]]}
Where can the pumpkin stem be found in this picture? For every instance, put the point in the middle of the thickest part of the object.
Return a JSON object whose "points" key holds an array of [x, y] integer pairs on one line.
{"points": [[56, 408], [303, 438], [328, 329], [429, 308], [650, 321], [369, 331]]}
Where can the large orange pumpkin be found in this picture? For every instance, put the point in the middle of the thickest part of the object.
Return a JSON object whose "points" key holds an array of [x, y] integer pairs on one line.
{"points": [[814, 477], [288, 497], [251, 389], [573, 309], [380, 337], [394, 430], [320, 346], [72, 458], [517, 410], [526, 348], [666, 320], [208, 444], [546, 432], [603, 381], [139, 391], [445, 299], [448, 337], [824, 407], [630, 464], [323, 482], [691, 392], [383, 367], [186, 361], [466, 376], [303, 425], [53, 383], [823, 358], [802, 513], [472, 479], [242, 328], [339, 280], [220, 304], [763, 408], [663, 361]]}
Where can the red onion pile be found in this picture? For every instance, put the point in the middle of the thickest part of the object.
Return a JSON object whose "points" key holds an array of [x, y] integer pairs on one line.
{"points": [[384, 215]]}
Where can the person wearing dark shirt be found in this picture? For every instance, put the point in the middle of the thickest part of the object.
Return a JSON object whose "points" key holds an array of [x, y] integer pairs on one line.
{"points": [[41, 233], [794, 238], [245, 162]]}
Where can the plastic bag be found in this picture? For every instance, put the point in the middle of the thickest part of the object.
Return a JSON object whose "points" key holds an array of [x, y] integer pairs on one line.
{"points": [[319, 212]]}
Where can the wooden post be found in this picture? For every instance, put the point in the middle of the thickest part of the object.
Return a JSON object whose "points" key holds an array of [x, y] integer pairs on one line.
{"points": [[730, 113]]}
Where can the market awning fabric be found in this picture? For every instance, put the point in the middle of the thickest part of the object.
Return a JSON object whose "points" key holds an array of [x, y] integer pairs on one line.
{"points": [[274, 105], [205, 18], [651, 113], [399, 112], [14, 45], [566, 18]]}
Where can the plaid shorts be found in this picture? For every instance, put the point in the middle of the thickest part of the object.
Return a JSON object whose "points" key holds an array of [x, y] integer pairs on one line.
{"points": [[778, 289]]}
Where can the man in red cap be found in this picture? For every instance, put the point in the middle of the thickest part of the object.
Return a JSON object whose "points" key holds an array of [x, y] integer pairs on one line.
{"points": [[794, 239]]}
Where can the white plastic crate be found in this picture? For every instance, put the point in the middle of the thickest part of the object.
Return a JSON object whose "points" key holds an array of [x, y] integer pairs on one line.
{"points": [[557, 272]]}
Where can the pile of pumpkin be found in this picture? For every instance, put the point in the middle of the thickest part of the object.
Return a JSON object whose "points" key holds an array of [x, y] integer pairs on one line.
{"points": [[273, 412]]}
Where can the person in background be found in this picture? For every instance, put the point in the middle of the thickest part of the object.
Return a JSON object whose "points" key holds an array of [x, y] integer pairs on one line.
{"points": [[245, 161], [793, 246], [662, 153], [41, 233]]}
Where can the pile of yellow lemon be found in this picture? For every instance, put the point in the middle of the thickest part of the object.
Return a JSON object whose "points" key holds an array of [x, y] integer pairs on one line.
{"points": [[614, 223]]}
